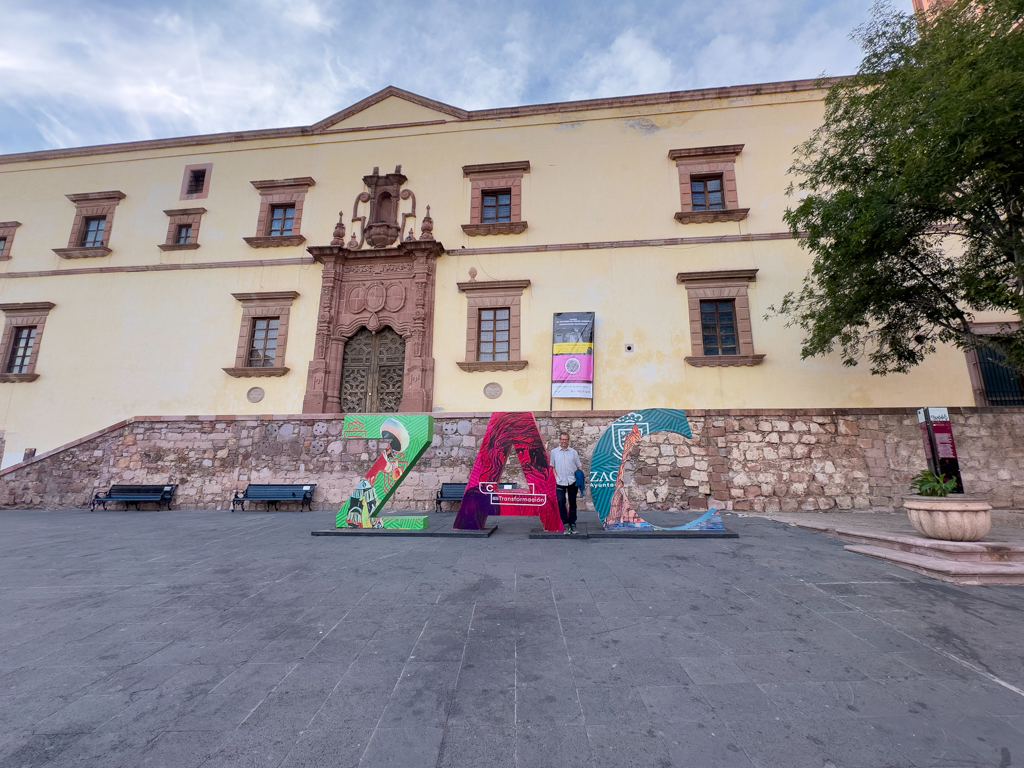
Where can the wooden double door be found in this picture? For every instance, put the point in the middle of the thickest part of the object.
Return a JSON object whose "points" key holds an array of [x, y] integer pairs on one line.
{"points": [[372, 372]]}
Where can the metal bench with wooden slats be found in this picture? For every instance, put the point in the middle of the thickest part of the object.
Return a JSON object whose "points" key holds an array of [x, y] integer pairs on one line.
{"points": [[273, 494], [135, 494], [449, 492]]}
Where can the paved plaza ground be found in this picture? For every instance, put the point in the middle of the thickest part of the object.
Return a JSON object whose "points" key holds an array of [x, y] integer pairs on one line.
{"points": [[206, 638]]}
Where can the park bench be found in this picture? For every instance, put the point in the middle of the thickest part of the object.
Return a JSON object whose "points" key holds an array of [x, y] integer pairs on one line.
{"points": [[135, 494], [449, 492], [455, 492], [272, 494]]}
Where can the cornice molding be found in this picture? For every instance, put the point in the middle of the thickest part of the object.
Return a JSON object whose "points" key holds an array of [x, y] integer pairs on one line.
{"points": [[520, 166], [493, 285], [17, 378], [28, 307], [653, 99], [178, 246], [263, 297], [269, 184], [705, 153], [185, 211], [717, 276], [92, 197], [709, 217]]}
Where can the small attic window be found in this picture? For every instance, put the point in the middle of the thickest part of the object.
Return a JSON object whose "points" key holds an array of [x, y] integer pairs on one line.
{"points": [[195, 184]]}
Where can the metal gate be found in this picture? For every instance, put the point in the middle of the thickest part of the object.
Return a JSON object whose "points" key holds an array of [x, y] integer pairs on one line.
{"points": [[1003, 386]]}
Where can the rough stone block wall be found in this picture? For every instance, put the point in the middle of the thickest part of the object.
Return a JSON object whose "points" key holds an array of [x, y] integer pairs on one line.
{"points": [[792, 460]]}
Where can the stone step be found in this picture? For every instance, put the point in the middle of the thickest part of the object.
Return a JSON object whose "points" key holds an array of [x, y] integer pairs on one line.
{"points": [[961, 551], [954, 571]]}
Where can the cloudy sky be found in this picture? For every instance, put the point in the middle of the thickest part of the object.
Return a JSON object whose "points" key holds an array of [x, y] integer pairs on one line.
{"points": [[78, 72]]}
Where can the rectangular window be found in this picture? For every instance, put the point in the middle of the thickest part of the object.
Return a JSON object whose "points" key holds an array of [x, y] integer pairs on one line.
{"points": [[196, 181], [263, 345], [184, 235], [718, 327], [492, 335], [92, 234], [706, 194], [1003, 385], [281, 219], [3, 244], [497, 206], [21, 349]]}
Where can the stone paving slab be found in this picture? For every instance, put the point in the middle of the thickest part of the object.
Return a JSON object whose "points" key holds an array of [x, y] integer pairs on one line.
{"points": [[205, 638]]}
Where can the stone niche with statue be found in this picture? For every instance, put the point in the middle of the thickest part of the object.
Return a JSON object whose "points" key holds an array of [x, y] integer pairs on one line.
{"points": [[375, 321]]}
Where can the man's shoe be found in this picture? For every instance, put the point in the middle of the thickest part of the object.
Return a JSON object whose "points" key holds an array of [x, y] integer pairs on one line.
{"points": [[566, 531], [572, 527]]}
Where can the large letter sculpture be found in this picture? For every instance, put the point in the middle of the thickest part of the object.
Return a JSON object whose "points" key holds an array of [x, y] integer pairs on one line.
{"points": [[402, 440], [610, 455], [483, 497]]}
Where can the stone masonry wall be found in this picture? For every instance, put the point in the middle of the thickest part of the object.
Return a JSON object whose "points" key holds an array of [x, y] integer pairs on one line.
{"points": [[785, 460]]}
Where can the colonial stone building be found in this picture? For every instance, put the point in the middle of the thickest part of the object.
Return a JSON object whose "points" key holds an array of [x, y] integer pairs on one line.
{"points": [[404, 254]]}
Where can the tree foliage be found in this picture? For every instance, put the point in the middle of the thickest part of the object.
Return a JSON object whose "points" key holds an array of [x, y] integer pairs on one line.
{"points": [[911, 191]]}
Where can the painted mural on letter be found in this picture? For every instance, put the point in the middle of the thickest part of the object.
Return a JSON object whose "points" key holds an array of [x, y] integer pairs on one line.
{"points": [[402, 439], [607, 488], [483, 497]]}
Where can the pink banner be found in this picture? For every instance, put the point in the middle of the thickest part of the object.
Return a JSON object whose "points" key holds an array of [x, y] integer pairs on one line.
{"points": [[572, 368]]}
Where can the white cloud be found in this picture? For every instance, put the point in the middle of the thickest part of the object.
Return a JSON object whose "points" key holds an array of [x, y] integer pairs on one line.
{"points": [[630, 65], [75, 73]]}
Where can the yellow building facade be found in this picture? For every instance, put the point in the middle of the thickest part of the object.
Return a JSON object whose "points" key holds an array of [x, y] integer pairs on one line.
{"points": [[150, 274]]}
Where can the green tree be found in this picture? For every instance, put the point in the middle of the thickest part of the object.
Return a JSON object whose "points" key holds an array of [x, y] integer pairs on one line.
{"points": [[911, 191]]}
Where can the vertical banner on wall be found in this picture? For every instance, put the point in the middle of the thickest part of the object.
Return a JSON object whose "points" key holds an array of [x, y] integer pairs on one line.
{"points": [[939, 448], [572, 355]]}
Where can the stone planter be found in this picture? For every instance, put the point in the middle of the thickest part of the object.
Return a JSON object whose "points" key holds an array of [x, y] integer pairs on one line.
{"points": [[950, 518]]}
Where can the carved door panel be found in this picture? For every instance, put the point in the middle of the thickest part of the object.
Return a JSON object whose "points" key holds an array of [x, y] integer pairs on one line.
{"points": [[372, 372]]}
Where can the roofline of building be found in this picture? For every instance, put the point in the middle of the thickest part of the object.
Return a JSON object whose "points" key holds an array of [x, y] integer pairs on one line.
{"points": [[459, 115]]}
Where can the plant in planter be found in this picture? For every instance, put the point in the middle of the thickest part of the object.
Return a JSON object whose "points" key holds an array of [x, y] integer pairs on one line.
{"points": [[937, 515]]}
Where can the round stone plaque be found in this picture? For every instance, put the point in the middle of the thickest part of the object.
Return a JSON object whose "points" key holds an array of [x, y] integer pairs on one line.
{"points": [[492, 390], [255, 394]]}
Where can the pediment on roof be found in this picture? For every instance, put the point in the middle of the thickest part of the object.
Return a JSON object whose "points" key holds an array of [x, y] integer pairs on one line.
{"points": [[391, 106]]}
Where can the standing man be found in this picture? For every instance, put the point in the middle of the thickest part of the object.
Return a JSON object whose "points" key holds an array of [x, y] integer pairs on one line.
{"points": [[566, 461]]}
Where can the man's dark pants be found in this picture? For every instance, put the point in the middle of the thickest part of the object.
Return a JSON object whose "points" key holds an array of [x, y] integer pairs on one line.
{"points": [[568, 517]]}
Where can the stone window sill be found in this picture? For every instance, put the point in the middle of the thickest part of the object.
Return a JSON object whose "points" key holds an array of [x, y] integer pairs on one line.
{"points": [[14, 378], [246, 373], [706, 217], [492, 365], [503, 228], [83, 253], [724, 360], [274, 242], [178, 246]]}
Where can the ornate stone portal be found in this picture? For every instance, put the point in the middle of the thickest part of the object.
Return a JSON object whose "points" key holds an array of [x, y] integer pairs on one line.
{"points": [[389, 284]]}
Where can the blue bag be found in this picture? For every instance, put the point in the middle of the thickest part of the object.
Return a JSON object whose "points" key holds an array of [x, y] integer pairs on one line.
{"points": [[581, 480]]}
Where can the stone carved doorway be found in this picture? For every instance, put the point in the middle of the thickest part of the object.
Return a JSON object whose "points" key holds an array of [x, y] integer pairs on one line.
{"points": [[376, 280], [372, 372]]}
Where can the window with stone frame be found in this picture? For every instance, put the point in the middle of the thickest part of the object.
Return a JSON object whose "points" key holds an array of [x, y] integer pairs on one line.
{"points": [[195, 183], [21, 339], [493, 334], [496, 198], [720, 323], [718, 326], [994, 383], [263, 334], [182, 229], [92, 226], [707, 184], [263, 343], [493, 317], [7, 229], [280, 218]]}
